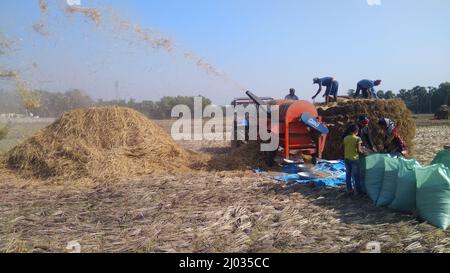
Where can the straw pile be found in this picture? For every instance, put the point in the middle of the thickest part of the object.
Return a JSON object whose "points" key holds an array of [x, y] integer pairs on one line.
{"points": [[99, 143], [443, 112], [343, 113]]}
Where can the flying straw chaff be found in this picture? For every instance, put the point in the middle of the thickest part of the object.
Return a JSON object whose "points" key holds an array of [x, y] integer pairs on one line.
{"points": [[92, 13]]}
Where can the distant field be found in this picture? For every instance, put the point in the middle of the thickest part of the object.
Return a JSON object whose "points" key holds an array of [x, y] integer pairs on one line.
{"points": [[20, 130], [428, 120]]}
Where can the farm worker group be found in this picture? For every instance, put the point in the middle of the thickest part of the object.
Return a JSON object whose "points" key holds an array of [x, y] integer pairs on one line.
{"points": [[357, 141], [366, 87]]}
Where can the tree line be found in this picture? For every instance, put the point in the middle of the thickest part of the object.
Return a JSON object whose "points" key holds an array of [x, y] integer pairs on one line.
{"points": [[419, 99], [161, 109], [53, 104]]}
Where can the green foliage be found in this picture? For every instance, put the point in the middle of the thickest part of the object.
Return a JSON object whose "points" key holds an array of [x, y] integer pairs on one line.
{"points": [[426, 99], [52, 104], [380, 94], [389, 95], [161, 109]]}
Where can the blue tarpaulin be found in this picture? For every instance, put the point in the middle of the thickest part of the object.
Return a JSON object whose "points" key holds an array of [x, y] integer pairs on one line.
{"points": [[334, 170]]}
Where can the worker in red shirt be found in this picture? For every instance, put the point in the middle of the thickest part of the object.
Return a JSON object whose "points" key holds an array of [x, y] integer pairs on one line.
{"points": [[397, 145]]}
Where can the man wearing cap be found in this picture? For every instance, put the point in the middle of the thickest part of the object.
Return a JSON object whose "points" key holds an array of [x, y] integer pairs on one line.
{"points": [[332, 86], [367, 88], [291, 95]]}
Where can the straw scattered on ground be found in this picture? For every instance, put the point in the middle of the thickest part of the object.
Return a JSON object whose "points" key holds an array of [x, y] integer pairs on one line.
{"points": [[204, 213], [429, 141]]}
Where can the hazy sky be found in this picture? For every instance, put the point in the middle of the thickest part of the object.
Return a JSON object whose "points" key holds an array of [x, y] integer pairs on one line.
{"points": [[265, 46]]}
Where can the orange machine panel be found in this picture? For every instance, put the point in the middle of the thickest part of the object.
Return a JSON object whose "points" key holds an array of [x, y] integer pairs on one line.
{"points": [[294, 134]]}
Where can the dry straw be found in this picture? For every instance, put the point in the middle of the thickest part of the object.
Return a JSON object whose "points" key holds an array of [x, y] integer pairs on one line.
{"points": [[92, 13], [99, 143], [343, 113]]}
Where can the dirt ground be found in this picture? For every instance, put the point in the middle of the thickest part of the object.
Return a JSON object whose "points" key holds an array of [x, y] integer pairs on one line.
{"points": [[429, 141], [209, 212]]}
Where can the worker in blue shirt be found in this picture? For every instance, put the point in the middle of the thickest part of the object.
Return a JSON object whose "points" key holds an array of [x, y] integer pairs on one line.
{"points": [[367, 88], [332, 86], [291, 95]]}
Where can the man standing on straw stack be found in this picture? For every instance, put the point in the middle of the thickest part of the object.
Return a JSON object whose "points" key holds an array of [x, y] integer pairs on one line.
{"points": [[332, 86], [367, 88]]}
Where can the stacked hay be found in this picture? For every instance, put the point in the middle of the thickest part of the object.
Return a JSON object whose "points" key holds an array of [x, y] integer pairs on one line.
{"points": [[443, 112], [99, 143], [345, 112]]}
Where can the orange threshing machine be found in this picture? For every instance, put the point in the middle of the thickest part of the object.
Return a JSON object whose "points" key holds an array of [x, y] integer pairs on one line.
{"points": [[301, 131]]}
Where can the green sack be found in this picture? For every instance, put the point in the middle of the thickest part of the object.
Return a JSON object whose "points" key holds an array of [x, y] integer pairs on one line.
{"points": [[433, 195], [373, 175], [442, 157], [405, 194], [362, 174], [389, 182]]}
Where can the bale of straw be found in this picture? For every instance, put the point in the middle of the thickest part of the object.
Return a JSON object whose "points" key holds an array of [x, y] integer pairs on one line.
{"points": [[443, 112], [99, 143], [340, 115]]}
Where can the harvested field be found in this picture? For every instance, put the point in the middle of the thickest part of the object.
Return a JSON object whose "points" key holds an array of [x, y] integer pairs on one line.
{"points": [[429, 141], [205, 213], [215, 211]]}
